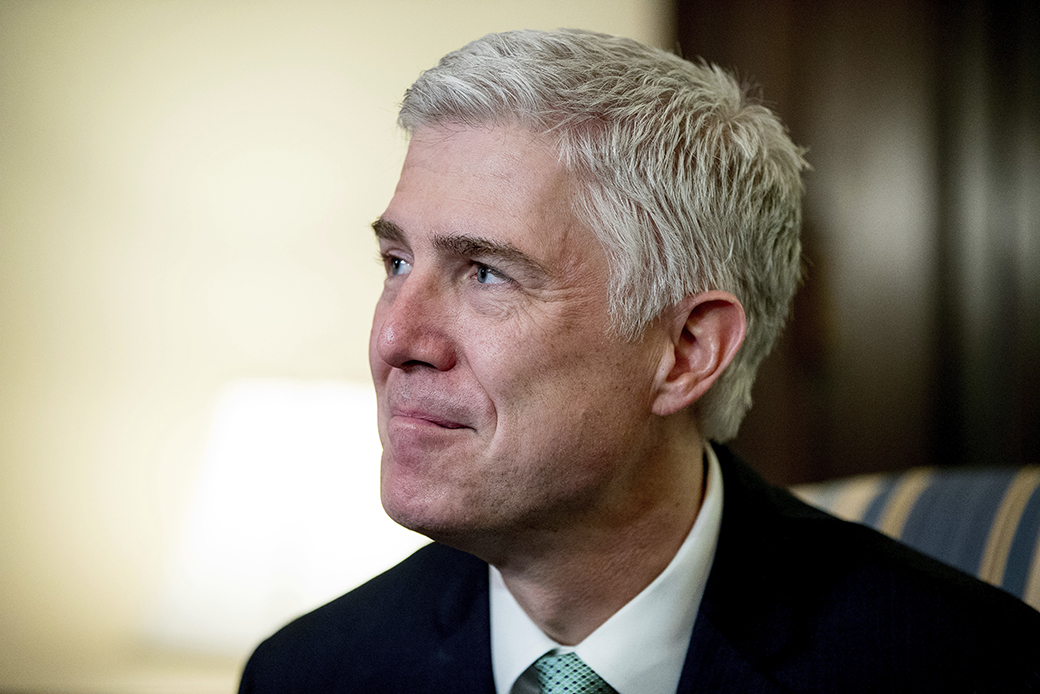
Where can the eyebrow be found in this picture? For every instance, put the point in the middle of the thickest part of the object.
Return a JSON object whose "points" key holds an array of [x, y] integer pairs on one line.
{"points": [[387, 230], [466, 245]]}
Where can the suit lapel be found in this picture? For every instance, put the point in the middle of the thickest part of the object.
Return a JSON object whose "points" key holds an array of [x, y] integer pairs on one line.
{"points": [[459, 659], [714, 664], [746, 622]]}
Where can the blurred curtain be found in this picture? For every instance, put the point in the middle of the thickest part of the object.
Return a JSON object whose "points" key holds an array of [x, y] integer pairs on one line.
{"points": [[916, 338]]}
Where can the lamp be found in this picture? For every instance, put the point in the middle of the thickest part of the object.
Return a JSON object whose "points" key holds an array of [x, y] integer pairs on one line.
{"points": [[284, 517]]}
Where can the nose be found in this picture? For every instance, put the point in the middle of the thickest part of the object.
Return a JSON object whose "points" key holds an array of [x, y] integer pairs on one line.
{"points": [[412, 325]]}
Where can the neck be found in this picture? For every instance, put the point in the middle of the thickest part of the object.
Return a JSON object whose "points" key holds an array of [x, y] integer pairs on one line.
{"points": [[571, 580]]}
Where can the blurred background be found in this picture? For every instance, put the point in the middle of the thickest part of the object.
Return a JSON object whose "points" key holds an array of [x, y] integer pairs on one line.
{"points": [[187, 444], [187, 454], [916, 337]]}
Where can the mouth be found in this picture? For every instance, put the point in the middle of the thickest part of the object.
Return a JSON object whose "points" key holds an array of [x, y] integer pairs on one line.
{"points": [[426, 419]]}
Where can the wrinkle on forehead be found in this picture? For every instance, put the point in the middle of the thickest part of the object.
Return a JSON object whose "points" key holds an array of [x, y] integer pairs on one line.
{"points": [[498, 191]]}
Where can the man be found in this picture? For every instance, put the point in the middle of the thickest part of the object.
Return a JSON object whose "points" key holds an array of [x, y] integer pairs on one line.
{"points": [[592, 246]]}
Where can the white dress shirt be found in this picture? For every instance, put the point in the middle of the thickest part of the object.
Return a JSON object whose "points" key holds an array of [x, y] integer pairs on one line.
{"points": [[641, 648]]}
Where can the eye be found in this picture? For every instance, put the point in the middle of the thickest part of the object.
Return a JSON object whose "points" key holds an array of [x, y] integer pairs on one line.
{"points": [[489, 275], [396, 266]]}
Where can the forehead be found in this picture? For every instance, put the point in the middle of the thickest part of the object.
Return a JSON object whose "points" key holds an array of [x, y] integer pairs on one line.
{"points": [[503, 182]]}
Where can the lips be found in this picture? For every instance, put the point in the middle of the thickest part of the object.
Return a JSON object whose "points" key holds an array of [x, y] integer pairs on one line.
{"points": [[414, 403], [423, 417]]}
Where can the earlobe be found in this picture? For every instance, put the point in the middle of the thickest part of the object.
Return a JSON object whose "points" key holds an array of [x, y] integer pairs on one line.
{"points": [[706, 330]]}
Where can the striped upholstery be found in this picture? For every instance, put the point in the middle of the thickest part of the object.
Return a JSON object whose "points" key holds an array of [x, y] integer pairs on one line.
{"points": [[983, 521]]}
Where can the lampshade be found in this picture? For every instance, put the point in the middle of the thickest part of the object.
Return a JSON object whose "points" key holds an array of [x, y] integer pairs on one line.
{"points": [[285, 514]]}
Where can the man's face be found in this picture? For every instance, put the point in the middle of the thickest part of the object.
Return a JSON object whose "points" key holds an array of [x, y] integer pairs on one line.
{"points": [[505, 402]]}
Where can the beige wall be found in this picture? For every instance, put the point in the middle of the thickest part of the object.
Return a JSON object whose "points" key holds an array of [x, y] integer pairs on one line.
{"points": [[185, 189]]}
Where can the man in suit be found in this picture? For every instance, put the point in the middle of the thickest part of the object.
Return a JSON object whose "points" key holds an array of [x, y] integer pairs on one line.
{"points": [[592, 246]]}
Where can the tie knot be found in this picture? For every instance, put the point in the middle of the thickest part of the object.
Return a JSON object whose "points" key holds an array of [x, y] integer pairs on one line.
{"points": [[566, 673]]}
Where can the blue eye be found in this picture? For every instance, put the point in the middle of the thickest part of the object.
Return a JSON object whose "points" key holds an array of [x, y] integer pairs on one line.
{"points": [[486, 275], [396, 266]]}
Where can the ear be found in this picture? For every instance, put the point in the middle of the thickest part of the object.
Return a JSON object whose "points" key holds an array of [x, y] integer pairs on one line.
{"points": [[705, 332]]}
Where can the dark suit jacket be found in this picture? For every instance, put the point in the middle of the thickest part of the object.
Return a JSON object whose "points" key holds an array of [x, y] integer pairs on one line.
{"points": [[797, 601]]}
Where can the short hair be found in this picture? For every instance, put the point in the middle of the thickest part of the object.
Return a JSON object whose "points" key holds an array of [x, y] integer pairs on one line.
{"points": [[689, 183]]}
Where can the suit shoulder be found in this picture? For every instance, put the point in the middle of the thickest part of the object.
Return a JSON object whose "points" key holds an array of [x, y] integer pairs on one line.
{"points": [[844, 599], [364, 634], [918, 620]]}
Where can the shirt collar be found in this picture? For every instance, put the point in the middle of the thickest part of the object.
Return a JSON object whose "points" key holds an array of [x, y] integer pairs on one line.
{"points": [[642, 647]]}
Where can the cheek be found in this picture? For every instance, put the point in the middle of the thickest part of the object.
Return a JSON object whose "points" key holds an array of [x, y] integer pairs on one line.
{"points": [[540, 394]]}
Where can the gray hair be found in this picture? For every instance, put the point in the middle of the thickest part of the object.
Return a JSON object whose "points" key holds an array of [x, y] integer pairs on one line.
{"points": [[688, 182]]}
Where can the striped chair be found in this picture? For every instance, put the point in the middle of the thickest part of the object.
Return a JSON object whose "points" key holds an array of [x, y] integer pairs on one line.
{"points": [[983, 521]]}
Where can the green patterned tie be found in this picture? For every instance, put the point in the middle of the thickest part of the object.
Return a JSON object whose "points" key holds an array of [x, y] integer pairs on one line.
{"points": [[566, 673]]}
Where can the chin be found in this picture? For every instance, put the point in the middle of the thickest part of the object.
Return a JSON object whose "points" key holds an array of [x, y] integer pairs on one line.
{"points": [[444, 526], [418, 516]]}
